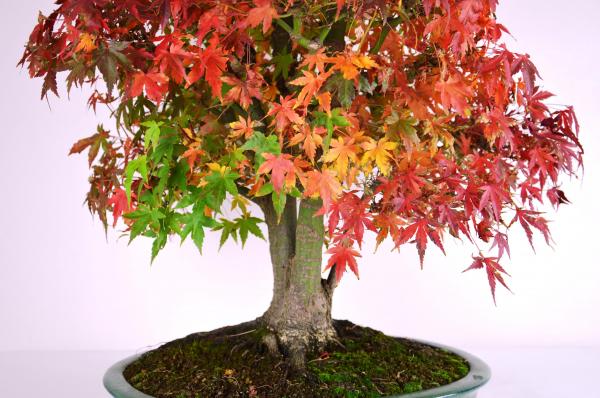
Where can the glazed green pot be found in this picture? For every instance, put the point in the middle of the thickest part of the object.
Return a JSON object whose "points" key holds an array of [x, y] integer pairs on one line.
{"points": [[467, 387]]}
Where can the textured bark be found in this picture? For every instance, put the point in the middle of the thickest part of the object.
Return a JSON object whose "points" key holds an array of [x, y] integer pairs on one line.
{"points": [[300, 313]]}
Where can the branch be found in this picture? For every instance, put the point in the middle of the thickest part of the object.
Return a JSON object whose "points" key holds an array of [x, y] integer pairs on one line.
{"points": [[331, 282]]}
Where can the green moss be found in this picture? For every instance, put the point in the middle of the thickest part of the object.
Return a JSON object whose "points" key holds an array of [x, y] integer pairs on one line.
{"points": [[233, 364]]}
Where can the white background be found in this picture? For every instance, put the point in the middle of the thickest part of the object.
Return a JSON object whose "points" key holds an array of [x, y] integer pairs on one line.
{"points": [[64, 286]]}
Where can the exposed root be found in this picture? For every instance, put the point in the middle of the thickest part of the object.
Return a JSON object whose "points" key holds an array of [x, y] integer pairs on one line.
{"points": [[295, 345]]}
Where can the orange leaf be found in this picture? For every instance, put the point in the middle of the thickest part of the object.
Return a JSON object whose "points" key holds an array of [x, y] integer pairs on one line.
{"points": [[262, 13]]}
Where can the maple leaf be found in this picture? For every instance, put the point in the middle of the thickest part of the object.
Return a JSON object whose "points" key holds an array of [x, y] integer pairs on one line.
{"points": [[379, 151], [170, 55], [523, 64], [263, 14], [119, 202], [531, 218], [211, 64], [493, 269], [243, 91], [284, 113], [243, 127], [342, 152], [93, 142], [192, 153], [312, 84], [501, 241], [344, 64], [324, 100], [310, 139], [454, 93], [354, 212], [342, 257], [211, 19], [495, 196], [419, 230], [316, 60], [363, 61], [155, 84], [87, 43], [281, 169], [322, 184], [557, 197]]}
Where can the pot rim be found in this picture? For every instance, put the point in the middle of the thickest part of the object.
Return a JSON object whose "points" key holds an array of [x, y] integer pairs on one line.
{"points": [[479, 374]]}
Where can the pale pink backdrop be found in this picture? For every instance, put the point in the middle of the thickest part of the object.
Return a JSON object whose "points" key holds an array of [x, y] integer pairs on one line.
{"points": [[63, 286]]}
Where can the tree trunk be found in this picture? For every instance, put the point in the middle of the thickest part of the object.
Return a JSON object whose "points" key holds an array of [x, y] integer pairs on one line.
{"points": [[299, 317]]}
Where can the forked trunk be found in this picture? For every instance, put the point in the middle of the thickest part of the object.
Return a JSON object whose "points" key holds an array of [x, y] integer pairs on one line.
{"points": [[299, 317]]}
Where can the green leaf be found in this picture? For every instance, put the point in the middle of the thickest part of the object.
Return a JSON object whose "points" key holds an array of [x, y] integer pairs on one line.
{"points": [[265, 190], [248, 225], [279, 200], [163, 177], [403, 128], [143, 217], [139, 165], [282, 64], [159, 243], [228, 229], [194, 225], [152, 133], [343, 89], [219, 185], [178, 178], [260, 144], [166, 145], [329, 122], [107, 59], [365, 86]]}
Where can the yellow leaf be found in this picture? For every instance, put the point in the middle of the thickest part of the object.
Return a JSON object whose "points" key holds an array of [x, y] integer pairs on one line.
{"points": [[342, 152], [364, 61], [346, 66], [87, 43], [380, 152]]}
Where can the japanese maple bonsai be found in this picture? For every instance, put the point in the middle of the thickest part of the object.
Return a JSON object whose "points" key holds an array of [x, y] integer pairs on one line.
{"points": [[408, 119]]}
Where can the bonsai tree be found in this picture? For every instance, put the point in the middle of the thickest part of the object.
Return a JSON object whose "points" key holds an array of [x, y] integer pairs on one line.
{"points": [[324, 120]]}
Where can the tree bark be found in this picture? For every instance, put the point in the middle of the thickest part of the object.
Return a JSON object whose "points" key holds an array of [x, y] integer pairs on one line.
{"points": [[299, 317]]}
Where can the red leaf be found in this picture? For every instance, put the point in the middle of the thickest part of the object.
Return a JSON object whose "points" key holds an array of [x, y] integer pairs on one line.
{"points": [[156, 85], [211, 63], [494, 272], [421, 231], [170, 55], [342, 257], [281, 168], [262, 13], [454, 93], [494, 196], [501, 240], [244, 91], [530, 218], [119, 202], [284, 113], [322, 184]]}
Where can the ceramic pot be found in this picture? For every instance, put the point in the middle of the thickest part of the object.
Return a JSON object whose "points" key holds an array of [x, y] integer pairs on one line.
{"points": [[467, 387]]}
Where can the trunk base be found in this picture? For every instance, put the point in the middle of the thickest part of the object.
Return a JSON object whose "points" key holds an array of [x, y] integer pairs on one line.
{"points": [[296, 330]]}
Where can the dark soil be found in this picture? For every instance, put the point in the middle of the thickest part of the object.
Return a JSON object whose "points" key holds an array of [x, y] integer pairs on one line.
{"points": [[231, 362]]}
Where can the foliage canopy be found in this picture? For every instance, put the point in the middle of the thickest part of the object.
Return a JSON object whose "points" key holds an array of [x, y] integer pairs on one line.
{"points": [[408, 118]]}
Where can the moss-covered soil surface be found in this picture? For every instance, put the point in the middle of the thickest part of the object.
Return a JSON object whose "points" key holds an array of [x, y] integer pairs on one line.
{"points": [[232, 363]]}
